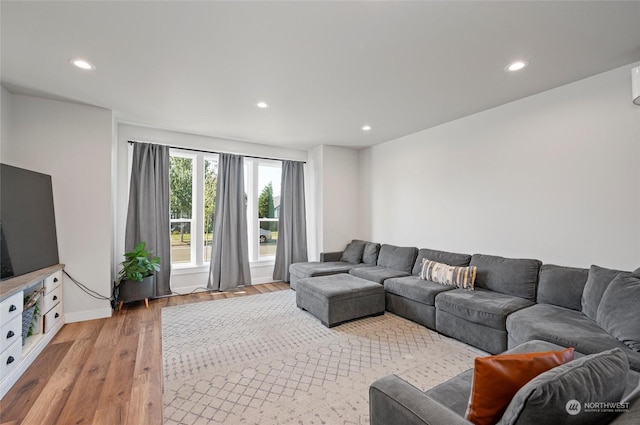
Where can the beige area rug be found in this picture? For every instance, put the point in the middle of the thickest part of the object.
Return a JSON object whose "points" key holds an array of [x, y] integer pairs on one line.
{"points": [[261, 360]]}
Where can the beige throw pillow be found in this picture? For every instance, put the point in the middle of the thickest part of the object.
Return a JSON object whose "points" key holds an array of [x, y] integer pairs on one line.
{"points": [[461, 277]]}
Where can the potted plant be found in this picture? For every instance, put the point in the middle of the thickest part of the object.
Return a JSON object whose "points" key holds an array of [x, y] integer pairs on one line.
{"points": [[137, 281]]}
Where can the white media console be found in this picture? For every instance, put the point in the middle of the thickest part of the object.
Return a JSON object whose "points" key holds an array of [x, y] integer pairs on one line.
{"points": [[15, 358]]}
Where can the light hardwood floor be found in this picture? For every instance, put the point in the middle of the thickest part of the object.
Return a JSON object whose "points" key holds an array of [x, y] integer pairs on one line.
{"points": [[106, 371]]}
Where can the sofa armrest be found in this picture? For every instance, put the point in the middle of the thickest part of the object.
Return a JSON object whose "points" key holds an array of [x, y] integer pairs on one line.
{"points": [[330, 256], [395, 401]]}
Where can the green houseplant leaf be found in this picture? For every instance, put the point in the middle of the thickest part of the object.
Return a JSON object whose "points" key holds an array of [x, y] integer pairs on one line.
{"points": [[138, 264]]}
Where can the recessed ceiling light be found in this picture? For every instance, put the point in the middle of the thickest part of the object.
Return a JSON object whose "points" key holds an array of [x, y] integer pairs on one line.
{"points": [[262, 105], [82, 64], [366, 128], [516, 66]]}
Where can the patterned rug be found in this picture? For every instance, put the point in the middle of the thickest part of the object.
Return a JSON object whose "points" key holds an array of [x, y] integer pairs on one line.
{"points": [[261, 360]]}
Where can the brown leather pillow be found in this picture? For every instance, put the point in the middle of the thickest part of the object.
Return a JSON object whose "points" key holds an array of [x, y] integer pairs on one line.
{"points": [[496, 379]]}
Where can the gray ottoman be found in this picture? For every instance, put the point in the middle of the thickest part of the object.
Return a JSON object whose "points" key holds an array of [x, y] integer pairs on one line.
{"points": [[338, 298]]}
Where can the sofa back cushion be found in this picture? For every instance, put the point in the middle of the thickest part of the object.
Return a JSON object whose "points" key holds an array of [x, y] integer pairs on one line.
{"points": [[353, 253], [550, 397], [511, 276], [450, 258], [618, 310], [597, 282], [397, 257], [561, 286], [370, 253]]}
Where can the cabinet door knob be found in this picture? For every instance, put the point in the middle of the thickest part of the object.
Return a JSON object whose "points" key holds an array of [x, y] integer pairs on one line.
{"points": [[56, 316], [10, 334], [12, 308], [10, 360], [55, 297], [55, 280]]}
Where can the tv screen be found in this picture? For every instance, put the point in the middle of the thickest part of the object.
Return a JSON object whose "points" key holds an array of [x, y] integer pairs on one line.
{"points": [[27, 222]]}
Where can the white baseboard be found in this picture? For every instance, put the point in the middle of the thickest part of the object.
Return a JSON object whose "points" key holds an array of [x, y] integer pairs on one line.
{"points": [[184, 290], [259, 280], [81, 316]]}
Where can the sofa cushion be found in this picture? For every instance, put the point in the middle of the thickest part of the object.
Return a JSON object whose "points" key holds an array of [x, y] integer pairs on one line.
{"points": [[597, 282], [397, 257], [496, 379], [353, 253], [460, 277], [416, 289], [454, 393], [618, 310], [319, 268], [564, 327], [445, 257], [481, 306], [511, 276], [370, 254], [596, 378], [376, 273], [561, 286]]}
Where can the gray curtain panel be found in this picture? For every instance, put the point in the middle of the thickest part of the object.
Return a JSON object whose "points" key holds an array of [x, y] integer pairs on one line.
{"points": [[230, 250], [292, 226], [148, 214]]}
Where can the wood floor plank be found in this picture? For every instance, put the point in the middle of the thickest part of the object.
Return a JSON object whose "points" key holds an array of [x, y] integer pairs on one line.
{"points": [[103, 372], [111, 415], [23, 395], [53, 399], [94, 371], [114, 396], [79, 330]]}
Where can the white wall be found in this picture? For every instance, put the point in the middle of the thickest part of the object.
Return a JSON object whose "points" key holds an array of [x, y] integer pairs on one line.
{"points": [[340, 208], [5, 113], [72, 143], [555, 176], [313, 205], [183, 281], [333, 200]]}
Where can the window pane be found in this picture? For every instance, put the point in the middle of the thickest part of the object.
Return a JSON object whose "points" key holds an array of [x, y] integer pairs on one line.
{"points": [[269, 175], [269, 191], [210, 182], [180, 184], [268, 237], [180, 242]]}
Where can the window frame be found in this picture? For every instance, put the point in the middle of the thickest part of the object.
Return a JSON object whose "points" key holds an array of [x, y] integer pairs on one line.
{"points": [[251, 174], [197, 219]]}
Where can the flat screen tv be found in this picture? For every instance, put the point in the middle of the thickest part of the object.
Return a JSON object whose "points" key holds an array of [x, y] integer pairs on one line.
{"points": [[27, 222]]}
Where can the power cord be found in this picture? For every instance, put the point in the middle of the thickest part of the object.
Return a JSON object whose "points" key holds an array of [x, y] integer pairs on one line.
{"points": [[88, 291], [199, 289]]}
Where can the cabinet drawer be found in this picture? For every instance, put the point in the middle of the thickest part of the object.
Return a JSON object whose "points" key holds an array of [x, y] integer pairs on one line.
{"points": [[10, 332], [52, 317], [11, 307], [51, 299], [52, 281], [10, 358]]}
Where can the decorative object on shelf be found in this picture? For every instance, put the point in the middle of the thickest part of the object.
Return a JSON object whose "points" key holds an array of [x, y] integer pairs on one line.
{"points": [[136, 280], [30, 313]]}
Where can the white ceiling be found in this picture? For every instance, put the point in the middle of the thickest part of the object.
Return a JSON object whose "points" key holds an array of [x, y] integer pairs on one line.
{"points": [[325, 68]]}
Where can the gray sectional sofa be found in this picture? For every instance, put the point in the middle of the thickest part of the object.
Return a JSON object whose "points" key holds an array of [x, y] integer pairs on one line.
{"points": [[520, 305], [514, 301], [394, 401]]}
